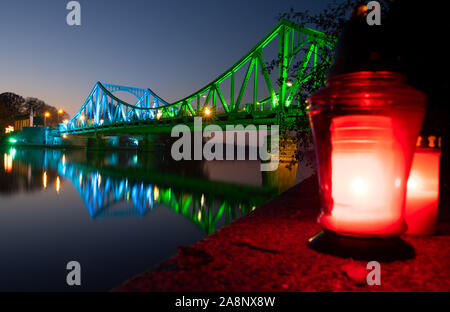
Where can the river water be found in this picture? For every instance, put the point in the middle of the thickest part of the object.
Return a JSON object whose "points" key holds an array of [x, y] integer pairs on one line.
{"points": [[116, 213]]}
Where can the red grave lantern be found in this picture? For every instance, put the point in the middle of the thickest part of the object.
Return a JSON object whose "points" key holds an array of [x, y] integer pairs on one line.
{"points": [[365, 124], [422, 195]]}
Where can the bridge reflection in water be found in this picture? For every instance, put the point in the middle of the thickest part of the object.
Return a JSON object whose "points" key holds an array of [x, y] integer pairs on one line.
{"points": [[120, 184]]}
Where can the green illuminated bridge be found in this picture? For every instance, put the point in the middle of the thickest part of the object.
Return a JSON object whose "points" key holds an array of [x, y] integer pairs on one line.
{"points": [[254, 90]]}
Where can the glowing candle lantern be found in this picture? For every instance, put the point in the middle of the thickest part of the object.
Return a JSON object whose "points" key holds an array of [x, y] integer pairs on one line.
{"points": [[361, 163], [365, 125], [423, 192]]}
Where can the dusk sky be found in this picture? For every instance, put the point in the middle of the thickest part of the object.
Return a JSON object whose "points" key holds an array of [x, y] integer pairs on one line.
{"points": [[173, 47]]}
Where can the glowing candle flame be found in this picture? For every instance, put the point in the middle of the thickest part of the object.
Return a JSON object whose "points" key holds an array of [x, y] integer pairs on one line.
{"points": [[359, 186], [413, 182], [361, 171]]}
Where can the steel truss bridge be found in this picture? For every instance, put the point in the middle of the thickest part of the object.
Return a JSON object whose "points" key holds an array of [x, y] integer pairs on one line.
{"points": [[271, 97]]}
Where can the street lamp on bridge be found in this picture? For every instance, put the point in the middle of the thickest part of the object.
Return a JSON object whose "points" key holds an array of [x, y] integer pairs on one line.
{"points": [[60, 112], [46, 115]]}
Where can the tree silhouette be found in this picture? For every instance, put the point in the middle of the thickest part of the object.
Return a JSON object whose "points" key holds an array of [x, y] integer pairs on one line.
{"points": [[12, 105]]}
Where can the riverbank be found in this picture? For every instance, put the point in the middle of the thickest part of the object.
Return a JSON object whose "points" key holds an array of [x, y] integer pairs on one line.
{"points": [[266, 251]]}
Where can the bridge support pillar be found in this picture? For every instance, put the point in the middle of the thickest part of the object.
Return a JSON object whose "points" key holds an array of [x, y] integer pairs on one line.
{"points": [[113, 141], [288, 149], [283, 178], [154, 143], [283, 158], [96, 143], [296, 161]]}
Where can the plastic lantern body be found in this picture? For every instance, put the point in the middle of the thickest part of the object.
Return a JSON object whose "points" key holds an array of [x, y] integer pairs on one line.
{"points": [[422, 195], [365, 126]]}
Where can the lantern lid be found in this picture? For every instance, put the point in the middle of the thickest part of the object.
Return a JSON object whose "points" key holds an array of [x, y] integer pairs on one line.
{"points": [[430, 143], [364, 47]]}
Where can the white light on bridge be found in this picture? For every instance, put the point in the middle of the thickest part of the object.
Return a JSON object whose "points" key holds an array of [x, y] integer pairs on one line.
{"points": [[9, 129]]}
